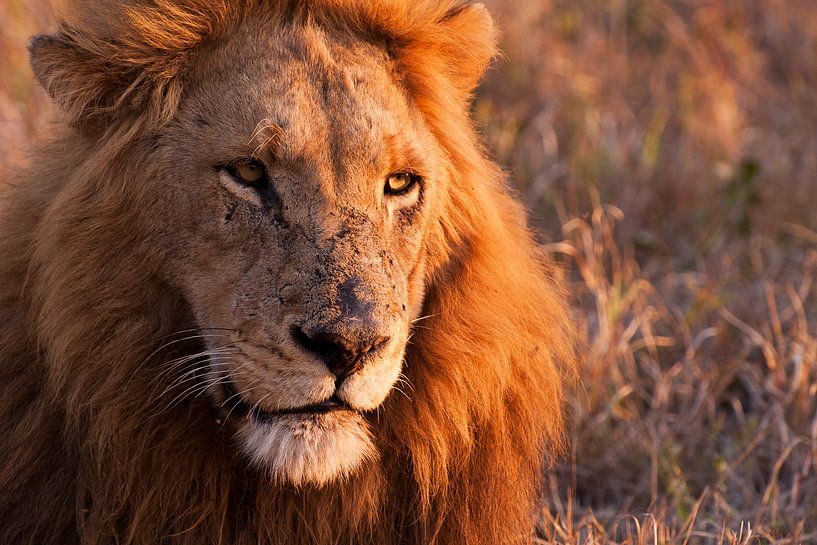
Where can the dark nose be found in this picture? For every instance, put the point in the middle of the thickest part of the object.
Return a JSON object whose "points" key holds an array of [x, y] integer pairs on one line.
{"points": [[343, 352]]}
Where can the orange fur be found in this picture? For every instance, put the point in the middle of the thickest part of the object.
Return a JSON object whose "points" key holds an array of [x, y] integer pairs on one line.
{"points": [[81, 314]]}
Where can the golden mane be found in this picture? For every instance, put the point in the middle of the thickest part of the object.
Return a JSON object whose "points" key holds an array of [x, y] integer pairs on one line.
{"points": [[87, 458]]}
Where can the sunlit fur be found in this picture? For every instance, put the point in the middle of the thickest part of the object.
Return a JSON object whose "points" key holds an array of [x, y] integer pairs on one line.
{"points": [[314, 452], [90, 457]]}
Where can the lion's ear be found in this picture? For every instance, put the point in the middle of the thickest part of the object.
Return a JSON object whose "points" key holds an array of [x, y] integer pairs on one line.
{"points": [[95, 83], [88, 89], [469, 44], [455, 44]]}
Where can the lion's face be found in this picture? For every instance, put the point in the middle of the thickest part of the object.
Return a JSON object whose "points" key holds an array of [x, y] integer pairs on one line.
{"points": [[297, 185]]}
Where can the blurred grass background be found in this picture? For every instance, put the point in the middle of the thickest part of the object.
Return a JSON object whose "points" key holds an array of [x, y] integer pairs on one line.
{"points": [[667, 151]]}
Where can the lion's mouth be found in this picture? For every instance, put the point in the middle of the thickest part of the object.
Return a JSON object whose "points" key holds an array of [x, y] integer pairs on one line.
{"points": [[239, 407]]}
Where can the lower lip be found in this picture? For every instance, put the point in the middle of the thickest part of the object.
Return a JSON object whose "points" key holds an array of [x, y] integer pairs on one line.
{"points": [[241, 407]]}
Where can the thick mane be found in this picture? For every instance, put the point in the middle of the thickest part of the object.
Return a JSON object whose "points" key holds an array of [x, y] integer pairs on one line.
{"points": [[85, 324], [142, 48]]}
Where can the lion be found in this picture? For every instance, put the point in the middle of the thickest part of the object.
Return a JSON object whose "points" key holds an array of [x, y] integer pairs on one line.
{"points": [[261, 283]]}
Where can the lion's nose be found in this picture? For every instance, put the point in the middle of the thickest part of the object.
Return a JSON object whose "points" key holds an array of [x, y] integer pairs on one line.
{"points": [[343, 352]]}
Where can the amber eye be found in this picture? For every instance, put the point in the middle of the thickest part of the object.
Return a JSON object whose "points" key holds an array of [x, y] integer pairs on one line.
{"points": [[249, 172], [400, 183]]}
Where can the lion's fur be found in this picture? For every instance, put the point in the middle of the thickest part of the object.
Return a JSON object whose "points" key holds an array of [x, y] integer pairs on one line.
{"points": [[81, 312]]}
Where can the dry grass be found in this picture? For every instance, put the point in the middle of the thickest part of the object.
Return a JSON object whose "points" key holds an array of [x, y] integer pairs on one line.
{"points": [[667, 149], [673, 142]]}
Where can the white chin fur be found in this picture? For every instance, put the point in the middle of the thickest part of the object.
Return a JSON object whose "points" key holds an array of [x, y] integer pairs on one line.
{"points": [[309, 449]]}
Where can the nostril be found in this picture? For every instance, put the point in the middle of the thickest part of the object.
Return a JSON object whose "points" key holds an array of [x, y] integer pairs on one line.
{"points": [[320, 343], [342, 354]]}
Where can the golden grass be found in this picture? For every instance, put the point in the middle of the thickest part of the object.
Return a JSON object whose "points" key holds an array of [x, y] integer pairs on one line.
{"points": [[667, 150], [673, 143]]}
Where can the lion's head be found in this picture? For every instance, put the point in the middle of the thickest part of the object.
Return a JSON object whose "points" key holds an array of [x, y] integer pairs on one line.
{"points": [[305, 183], [274, 222], [292, 195]]}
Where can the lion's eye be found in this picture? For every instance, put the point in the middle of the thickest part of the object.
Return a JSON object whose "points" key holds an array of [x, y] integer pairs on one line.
{"points": [[400, 183], [248, 172]]}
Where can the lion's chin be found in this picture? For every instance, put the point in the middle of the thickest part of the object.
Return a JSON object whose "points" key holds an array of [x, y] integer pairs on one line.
{"points": [[314, 449]]}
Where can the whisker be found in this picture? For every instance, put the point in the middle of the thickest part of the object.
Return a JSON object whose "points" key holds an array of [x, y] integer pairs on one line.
{"points": [[195, 329], [247, 390], [404, 393], [181, 362], [170, 362], [204, 365], [195, 359], [171, 343], [228, 376], [252, 385], [175, 363], [257, 404], [249, 387], [186, 394], [199, 388], [402, 379], [192, 374]]}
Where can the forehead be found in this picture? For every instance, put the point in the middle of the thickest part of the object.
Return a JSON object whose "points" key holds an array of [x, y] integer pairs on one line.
{"points": [[328, 93]]}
